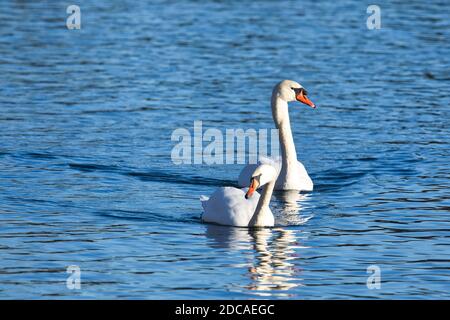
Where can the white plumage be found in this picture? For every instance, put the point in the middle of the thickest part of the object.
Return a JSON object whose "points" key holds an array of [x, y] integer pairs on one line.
{"points": [[229, 206], [302, 183], [292, 174]]}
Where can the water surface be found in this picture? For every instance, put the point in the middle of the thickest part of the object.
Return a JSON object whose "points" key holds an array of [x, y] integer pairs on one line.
{"points": [[86, 176]]}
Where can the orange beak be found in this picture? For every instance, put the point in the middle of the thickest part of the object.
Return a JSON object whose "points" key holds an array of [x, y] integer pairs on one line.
{"points": [[251, 189], [304, 99]]}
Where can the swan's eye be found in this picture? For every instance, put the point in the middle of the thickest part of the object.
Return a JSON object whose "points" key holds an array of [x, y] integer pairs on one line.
{"points": [[298, 90]]}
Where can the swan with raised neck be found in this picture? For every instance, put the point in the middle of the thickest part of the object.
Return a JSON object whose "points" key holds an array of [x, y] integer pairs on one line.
{"points": [[292, 173]]}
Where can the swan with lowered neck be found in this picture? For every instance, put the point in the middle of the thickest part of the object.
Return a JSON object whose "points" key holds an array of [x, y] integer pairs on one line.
{"points": [[235, 207], [292, 174]]}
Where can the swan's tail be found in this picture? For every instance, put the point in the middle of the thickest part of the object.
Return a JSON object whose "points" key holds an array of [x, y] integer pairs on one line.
{"points": [[204, 200]]}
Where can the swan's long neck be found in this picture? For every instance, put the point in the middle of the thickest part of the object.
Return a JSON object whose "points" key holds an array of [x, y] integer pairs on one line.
{"points": [[280, 115], [262, 208]]}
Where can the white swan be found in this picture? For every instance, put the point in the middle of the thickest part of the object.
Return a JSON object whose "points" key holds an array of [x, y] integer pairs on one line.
{"points": [[292, 173], [233, 207]]}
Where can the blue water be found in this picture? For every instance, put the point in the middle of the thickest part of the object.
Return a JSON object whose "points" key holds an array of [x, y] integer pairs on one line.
{"points": [[86, 176]]}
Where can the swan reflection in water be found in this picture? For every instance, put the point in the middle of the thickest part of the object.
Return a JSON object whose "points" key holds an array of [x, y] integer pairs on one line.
{"points": [[292, 203], [273, 268], [268, 255]]}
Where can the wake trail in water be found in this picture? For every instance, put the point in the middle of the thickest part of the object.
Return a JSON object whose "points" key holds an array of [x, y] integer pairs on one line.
{"points": [[155, 175]]}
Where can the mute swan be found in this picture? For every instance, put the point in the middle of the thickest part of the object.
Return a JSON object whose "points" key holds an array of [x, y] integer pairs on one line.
{"points": [[233, 207], [292, 173]]}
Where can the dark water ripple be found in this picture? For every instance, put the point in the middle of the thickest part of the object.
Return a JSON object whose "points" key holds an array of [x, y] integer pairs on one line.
{"points": [[86, 177]]}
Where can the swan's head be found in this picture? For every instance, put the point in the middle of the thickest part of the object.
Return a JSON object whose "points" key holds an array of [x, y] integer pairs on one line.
{"points": [[289, 90], [262, 175]]}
